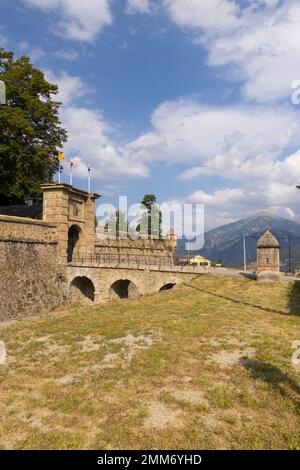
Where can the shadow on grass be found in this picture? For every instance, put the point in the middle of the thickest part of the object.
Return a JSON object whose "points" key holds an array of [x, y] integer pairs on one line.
{"points": [[294, 299], [251, 276], [238, 301], [273, 376]]}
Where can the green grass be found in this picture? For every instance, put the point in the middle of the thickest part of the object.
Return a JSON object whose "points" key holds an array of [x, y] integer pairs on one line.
{"points": [[182, 369]]}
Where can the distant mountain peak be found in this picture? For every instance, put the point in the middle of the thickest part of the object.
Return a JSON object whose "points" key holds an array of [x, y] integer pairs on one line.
{"points": [[225, 243], [265, 214]]}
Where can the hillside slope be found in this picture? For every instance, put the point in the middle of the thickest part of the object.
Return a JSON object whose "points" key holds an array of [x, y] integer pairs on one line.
{"points": [[225, 243]]}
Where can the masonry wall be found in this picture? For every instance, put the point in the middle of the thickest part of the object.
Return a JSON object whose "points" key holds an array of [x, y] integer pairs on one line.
{"points": [[268, 260], [135, 250], [31, 277], [146, 281]]}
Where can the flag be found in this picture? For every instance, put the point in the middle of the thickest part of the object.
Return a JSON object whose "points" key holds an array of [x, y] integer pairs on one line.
{"points": [[60, 157]]}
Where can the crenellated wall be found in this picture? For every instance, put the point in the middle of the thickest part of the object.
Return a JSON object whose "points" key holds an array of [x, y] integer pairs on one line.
{"points": [[31, 276]]}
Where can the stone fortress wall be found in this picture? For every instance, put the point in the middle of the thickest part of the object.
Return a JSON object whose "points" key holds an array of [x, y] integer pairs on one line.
{"points": [[61, 259], [32, 278]]}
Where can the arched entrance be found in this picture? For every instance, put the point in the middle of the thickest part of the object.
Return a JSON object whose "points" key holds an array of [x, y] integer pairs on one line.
{"points": [[167, 287], [123, 289], [73, 237], [82, 289]]}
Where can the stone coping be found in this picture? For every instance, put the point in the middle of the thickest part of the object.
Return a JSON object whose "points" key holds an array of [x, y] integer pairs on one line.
{"points": [[70, 189], [132, 267], [25, 220], [28, 241]]}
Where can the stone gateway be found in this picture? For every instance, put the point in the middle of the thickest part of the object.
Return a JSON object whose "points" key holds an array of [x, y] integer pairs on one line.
{"points": [[63, 259]]}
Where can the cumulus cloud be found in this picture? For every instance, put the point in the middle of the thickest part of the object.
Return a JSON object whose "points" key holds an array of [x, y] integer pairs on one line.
{"points": [[251, 149], [89, 141], [76, 19], [187, 130], [89, 144], [259, 43], [70, 87], [211, 15]]}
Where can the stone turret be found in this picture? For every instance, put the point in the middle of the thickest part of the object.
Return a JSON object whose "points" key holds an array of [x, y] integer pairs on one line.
{"points": [[268, 257]]}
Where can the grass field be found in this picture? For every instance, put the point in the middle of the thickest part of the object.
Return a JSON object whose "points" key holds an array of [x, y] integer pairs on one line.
{"points": [[183, 369]]}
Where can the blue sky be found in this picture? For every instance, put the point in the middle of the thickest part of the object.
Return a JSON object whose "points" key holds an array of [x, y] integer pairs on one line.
{"points": [[187, 99]]}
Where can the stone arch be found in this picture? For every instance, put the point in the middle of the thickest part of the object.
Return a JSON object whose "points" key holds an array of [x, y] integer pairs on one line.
{"points": [[73, 239], [167, 286], [123, 289], [82, 289]]}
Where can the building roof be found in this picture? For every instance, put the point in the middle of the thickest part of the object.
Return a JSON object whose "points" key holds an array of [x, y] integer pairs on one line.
{"points": [[267, 240]]}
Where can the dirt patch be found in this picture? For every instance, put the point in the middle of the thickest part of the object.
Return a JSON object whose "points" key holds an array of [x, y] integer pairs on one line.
{"points": [[228, 359], [161, 416], [131, 344], [50, 346], [66, 380], [89, 344], [189, 395]]}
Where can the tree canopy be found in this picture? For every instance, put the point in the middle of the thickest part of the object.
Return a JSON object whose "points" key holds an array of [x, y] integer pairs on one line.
{"points": [[151, 219], [30, 129]]}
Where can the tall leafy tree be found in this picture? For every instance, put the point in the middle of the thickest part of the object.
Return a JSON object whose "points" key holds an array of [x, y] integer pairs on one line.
{"points": [[30, 129], [151, 219], [117, 223]]}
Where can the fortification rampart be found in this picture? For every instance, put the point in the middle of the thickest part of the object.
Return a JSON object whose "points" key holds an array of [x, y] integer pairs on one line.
{"points": [[39, 258], [31, 276]]}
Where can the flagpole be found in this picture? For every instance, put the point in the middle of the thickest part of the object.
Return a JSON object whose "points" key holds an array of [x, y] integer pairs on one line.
{"points": [[89, 179], [71, 172], [60, 166]]}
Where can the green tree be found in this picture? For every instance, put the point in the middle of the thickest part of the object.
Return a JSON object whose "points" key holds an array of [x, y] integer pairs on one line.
{"points": [[31, 132], [151, 219], [117, 222]]}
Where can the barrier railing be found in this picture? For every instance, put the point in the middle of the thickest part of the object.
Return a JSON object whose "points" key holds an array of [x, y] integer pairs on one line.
{"points": [[130, 261]]}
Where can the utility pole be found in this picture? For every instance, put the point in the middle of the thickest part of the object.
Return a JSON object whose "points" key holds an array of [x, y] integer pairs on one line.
{"points": [[245, 258], [290, 257]]}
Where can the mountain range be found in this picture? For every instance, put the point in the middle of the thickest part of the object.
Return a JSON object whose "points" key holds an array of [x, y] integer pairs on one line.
{"points": [[225, 243]]}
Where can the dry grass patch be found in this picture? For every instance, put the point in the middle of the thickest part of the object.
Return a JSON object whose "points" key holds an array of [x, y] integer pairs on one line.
{"points": [[184, 370]]}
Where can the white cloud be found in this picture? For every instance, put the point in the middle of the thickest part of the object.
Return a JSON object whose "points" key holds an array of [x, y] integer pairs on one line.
{"points": [[88, 143], [70, 88], [137, 6], [260, 43], [77, 19], [211, 15], [248, 148], [88, 136], [186, 130], [227, 205]]}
